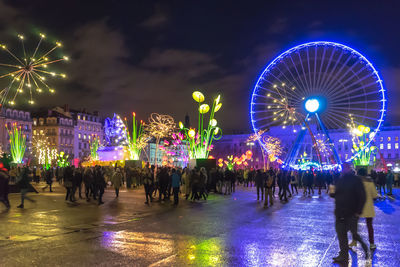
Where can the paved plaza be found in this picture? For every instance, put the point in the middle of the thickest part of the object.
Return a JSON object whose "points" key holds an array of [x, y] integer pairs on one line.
{"points": [[223, 231]]}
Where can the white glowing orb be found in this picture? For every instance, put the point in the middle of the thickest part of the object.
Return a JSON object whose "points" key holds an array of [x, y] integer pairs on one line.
{"points": [[312, 105]]}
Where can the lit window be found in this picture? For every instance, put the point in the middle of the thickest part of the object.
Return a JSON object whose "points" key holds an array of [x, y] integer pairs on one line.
{"points": [[381, 139], [389, 146], [389, 139], [84, 136], [346, 156], [381, 146], [41, 131], [396, 145], [84, 118], [396, 138], [89, 137], [79, 117], [34, 132]]}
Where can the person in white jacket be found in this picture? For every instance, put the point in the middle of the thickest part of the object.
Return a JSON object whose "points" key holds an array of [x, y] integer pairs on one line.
{"points": [[369, 210]]}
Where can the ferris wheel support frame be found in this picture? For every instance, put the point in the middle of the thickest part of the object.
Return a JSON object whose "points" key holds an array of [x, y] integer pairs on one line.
{"points": [[296, 146]]}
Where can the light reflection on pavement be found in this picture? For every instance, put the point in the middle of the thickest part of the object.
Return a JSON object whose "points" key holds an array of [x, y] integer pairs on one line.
{"points": [[224, 231]]}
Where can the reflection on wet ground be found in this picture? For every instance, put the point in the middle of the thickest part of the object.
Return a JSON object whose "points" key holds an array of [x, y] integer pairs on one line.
{"points": [[224, 231]]}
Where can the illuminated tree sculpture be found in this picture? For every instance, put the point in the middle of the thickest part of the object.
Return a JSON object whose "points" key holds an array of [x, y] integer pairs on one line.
{"points": [[273, 147], [94, 144], [17, 143], [137, 140], [115, 131], [159, 126], [28, 71], [43, 152], [201, 141], [363, 155], [62, 160]]}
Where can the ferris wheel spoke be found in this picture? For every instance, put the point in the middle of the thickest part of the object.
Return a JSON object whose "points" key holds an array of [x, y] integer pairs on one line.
{"points": [[304, 73], [334, 104], [344, 90], [296, 95], [312, 85], [355, 115], [295, 82], [335, 121], [328, 82], [298, 74], [339, 81], [274, 90], [334, 100], [332, 71], [325, 73], [354, 76]]}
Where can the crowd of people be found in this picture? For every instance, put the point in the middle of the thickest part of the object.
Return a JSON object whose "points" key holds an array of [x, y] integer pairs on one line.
{"points": [[354, 193]]}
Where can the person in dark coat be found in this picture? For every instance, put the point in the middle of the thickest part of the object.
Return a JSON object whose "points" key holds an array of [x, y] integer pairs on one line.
{"points": [[49, 178], [69, 183], [350, 197], [100, 184], [259, 180], [4, 189], [89, 183], [24, 185]]}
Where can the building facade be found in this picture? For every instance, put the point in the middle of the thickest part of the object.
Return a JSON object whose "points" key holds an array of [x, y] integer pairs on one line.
{"points": [[23, 119], [58, 126], [86, 127]]}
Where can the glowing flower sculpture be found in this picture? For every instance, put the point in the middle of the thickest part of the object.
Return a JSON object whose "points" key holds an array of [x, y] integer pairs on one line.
{"points": [[28, 71], [137, 140], [43, 152], [159, 126], [62, 160], [94, 144], [200, 142], [363, 154], [17, 143], [176, 149], [232, 161]]}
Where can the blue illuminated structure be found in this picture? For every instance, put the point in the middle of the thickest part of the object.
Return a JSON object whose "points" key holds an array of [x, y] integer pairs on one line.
{"points": [[317, 87]]}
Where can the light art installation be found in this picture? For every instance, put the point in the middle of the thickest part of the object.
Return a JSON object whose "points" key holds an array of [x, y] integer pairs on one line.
{"points": [[94, 144], [17, 142], [137, 140], [159, 126], [312, 88], [273, 147], [200, 142], [115, 131], [29, 71], [232, 161], [62, 160], [363, 155], [45, 154], [176, 149]]}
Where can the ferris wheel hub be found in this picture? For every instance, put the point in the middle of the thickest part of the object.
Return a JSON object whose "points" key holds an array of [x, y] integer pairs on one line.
{"points": [[312, 105]]}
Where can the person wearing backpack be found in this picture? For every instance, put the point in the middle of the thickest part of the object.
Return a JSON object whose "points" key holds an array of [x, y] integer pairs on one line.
{"points": [[269, 184]]}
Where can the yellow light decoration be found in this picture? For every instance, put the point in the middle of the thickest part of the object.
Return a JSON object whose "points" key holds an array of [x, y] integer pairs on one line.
{"points": [[367, 130], [213, 122], [218, 107], [180, 125], [28, 71], [198, 96], [361, 128], [191, 133], [204, 108]]}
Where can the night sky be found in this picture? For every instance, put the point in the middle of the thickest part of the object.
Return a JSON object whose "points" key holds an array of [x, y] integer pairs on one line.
{"points": [[148, 56]]}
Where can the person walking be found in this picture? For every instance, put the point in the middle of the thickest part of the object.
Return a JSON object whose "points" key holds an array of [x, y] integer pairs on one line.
{"points": [[69, 183], [117, 181], [4, 189], [294, 181], [389, 182], [49, 179], [349, 194], [260, 185], [186, 182], [369, 210], [100, 184], [148, 182], [269, 183], [176, 182], [24, 185]]}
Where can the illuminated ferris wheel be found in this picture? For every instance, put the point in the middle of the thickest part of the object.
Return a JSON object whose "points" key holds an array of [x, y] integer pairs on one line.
{"points": [[317, 85]]}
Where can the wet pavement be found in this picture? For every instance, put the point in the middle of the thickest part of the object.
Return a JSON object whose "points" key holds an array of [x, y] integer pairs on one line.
{"points": [[223, 231]]}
